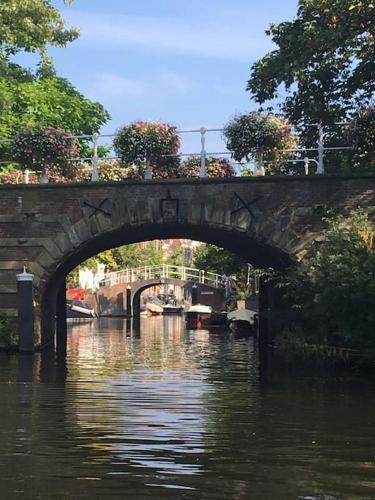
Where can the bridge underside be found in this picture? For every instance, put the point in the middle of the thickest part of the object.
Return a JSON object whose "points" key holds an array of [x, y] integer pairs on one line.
{"points": [[259, 254]]}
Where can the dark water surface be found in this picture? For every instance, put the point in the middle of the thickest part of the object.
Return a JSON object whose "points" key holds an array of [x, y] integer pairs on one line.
{"points": [[168, 414]]}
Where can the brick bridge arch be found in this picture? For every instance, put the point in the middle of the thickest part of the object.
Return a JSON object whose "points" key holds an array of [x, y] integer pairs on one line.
{"points": [[270, 221]]}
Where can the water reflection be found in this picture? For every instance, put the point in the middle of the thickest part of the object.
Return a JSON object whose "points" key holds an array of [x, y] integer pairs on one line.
{"points": [[159, 412]]}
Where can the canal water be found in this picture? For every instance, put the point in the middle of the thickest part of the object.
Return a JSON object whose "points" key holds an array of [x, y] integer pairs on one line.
{"points": [[159, 412]]}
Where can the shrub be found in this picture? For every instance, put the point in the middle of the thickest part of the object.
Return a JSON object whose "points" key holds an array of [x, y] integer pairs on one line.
{"points": [[42, 149], [215, 167], [333, 294], [8, 333], [260, 137]]}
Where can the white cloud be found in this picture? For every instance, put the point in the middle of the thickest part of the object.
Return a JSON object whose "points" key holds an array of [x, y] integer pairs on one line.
{"points": [[108, 86], [241, 42]]}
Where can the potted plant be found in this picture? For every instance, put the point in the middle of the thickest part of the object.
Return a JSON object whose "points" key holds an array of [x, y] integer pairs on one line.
{"points": [[46, 149], [263, 138], [152, 146]]}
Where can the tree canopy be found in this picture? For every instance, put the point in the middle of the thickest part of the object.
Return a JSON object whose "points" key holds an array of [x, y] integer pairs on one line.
{"points": [[324, 60], [29, 25], [129, 256], [218, 260], [47, 102], [39, 98]]}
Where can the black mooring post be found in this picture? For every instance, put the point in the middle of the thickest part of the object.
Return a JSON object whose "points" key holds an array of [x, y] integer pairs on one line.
{"points": [[128, 301], [61, 326], [25, 312], [263, 327], [194, 294]]}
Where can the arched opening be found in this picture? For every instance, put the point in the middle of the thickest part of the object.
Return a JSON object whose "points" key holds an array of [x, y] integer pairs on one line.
{"points": [[255, 251]]}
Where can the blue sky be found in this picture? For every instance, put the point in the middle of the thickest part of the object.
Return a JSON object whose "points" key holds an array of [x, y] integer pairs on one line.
{"points": [[181, 61]]}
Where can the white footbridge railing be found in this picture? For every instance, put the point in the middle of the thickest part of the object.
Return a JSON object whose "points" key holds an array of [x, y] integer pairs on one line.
{"points": [[163, 271]]}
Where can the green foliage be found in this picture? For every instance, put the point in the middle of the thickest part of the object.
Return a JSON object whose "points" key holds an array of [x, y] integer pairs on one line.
{"points": [[8, 333], [333, 295], [129, 256], [42, 148], [46, 102], [324, 60], [215, 167], [218, 260], [29, 25], [152, 140], [38, 99], [361, 134], [261, 137]]}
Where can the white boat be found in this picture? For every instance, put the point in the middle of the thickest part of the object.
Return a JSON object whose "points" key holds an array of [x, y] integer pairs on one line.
{"points": [[170, 309], [153, 308], [78, 310], [196, 314]]}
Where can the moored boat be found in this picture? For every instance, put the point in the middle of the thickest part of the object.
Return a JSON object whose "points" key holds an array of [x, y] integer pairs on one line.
{"points": [[196, 314], [241, 321], [153, 308], [77, 309], [170, 309], [218, 320]]}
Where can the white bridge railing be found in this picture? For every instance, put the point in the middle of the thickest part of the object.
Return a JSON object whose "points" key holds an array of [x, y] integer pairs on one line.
{"points": [[128, 276], [311, 155]]}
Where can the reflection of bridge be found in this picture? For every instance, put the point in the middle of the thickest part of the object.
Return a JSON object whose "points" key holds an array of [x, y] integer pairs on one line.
{"points": [[168, 271], [119, 293]]}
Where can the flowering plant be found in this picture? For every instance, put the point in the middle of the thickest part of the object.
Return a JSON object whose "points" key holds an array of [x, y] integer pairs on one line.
{"points": [[261, 137], [215, 167], [157, 142], [16, 177], [41, 149], [108, 170]]}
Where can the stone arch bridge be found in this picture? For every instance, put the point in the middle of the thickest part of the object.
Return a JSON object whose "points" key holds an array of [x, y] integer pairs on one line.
{"points": [[119, 293], [51, 228], [113, 300]]}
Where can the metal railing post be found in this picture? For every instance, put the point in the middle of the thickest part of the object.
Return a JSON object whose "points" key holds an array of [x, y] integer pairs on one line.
{"points": [[148, 172], [320, 169], [94, 172], [203, 171], [306, 162]]}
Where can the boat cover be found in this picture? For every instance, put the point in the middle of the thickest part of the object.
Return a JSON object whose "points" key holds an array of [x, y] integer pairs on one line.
{"points": [[241, 315], [199, 308]]}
